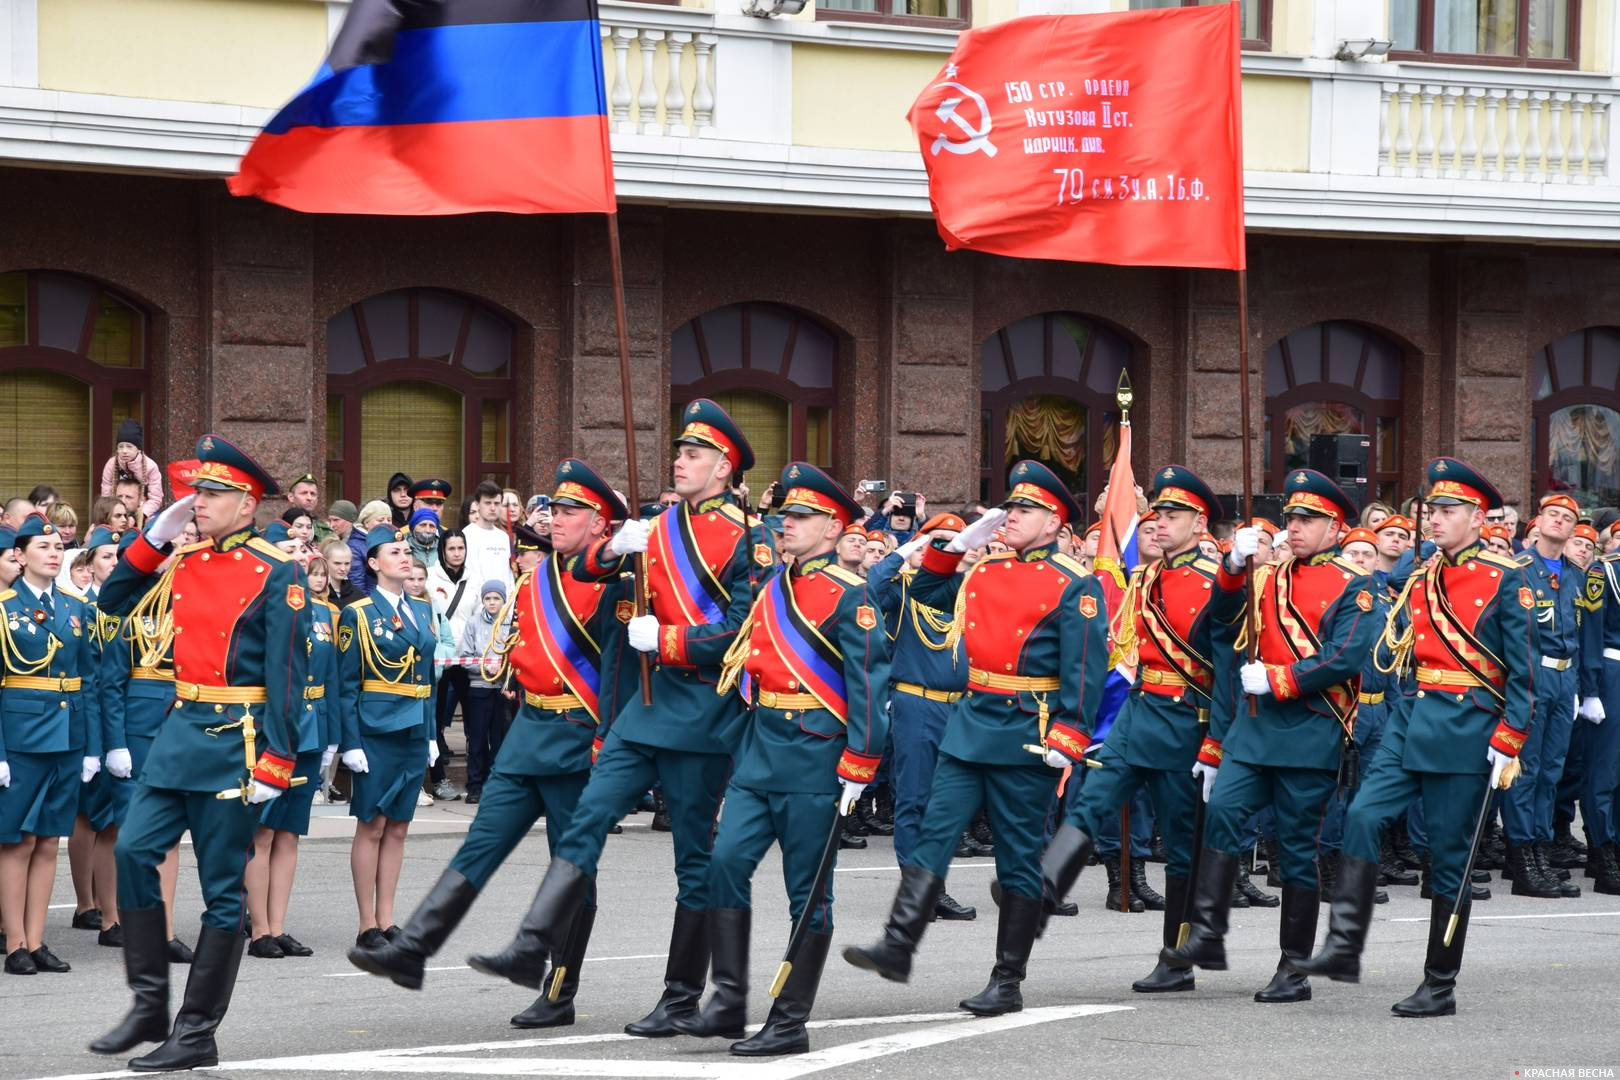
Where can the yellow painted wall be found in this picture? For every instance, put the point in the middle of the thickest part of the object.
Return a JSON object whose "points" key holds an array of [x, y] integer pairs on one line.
{"points": [[1597, 36], [1291, 26], [1276, 124], [240, 52], [857, 98]]}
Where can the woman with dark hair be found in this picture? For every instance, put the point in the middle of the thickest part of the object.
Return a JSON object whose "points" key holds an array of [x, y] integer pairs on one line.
{"points": [[454, 598], [44, 497], [110, 511], [299, 523]]}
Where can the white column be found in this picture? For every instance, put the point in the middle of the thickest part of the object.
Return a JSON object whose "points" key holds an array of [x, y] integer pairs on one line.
{"points": [[675, 96], [647, 99], [19, 43], [619, 95]]}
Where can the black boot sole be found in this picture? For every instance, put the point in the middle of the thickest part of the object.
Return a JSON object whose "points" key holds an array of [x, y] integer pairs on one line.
{"points": [[367, 960], [861, 959], [107, 1045], [488, 965], [989, 1010], [560, 1018]]}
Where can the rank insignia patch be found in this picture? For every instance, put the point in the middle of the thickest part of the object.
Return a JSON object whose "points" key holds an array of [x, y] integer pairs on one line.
{"points": [[1594, 588], [345, 636], [1526, 600], [295, 597], [1364, 601], [1088, 606], [762, 554], [624, 609], [865, 617]]}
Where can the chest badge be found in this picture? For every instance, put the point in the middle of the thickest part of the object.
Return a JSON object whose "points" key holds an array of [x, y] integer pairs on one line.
{"points": [[1088, 606], [1526, 600], [1364, 601], [865, 617], [624, 609], [295, 597], [762, 554]]}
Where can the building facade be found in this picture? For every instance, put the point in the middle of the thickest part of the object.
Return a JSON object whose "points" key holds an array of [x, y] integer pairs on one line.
{"points": [[1431, 252]]}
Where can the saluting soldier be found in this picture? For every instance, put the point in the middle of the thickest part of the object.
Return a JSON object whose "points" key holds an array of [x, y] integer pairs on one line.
{"points": [[701, 553], [928, 677], [814, 664], [1177, 620], [231, 608], [1034, 625], [1314, 627], [554, 638], [1464, 625], [386, 645], [50, 736], [1527, 806]]}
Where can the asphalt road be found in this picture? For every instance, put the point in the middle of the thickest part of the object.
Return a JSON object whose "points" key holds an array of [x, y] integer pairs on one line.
{"points": [[1539, 989]]}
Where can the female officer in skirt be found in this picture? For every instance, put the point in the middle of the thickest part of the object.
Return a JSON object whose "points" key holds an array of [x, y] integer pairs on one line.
{"points": [[269, 876], [385, 714], [50, 736], [95, 831]]}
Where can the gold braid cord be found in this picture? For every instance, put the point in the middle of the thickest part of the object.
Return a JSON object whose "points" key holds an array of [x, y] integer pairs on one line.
{"points": [[953, 636], [499, 643], [14, 663], [150, 623], [923, 614], [1122, 626], [386, 670], [731, 667], [1392, 655]]}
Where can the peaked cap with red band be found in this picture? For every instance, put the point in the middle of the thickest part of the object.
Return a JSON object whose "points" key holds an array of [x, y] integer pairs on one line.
{"points": [[808, 490], [1455, 483], [1033, 484], [579, 485], [1311, 493], [223, 466], [707, 424], [1176, 487]]}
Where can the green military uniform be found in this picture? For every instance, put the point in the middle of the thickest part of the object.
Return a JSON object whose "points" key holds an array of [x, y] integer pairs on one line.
{"points": [[813, 659], [1470, 637], [1034, 625]]}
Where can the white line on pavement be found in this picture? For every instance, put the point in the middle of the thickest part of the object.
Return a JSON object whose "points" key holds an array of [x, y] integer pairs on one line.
{"points": [[955, 866], [1549, 915], [464, 967]]}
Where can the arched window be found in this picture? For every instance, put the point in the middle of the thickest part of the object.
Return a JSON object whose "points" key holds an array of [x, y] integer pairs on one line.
{"points": [[418, 381], [74, 362], [1577, 416], [772, 369], [1334, 378], [1046, 391]]}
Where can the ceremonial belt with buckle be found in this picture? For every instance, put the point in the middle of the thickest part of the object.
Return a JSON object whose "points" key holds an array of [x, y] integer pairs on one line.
{"points": [[989, 680], [405, 690], [314, 693], [947, 696], [152, 674], [1446, 679], [1557, 664], [61, 685], [560, 702], [220, 695], [1371, 699], [1156, 677], [789, 701]]}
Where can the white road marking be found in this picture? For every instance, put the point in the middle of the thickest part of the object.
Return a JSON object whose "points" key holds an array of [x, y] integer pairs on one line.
{"points": [[464, 967], [1549, 915], [955, 866], [942, 1028]]}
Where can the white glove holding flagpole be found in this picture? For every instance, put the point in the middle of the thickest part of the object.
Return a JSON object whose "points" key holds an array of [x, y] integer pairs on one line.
{"points": [[631, 539], [1245, 543], [643, 633]]}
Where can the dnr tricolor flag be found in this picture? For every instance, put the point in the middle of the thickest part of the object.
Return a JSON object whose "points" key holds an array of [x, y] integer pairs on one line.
{"points": [[445, 107]]}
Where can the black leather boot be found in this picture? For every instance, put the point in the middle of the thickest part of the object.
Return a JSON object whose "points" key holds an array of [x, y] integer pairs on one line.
{"points": [[1212, 903], [1608, 869], [684, 974], [1394, 870], [1349, 915], [726, 1013], [1141, 890], [1296, 933], [1015, 937], [891, 955], [1400, 846], [1554, 876], [1526, 875], [1067, 853], [560, 1013], [1164, 979], [1436, 996], [784, 1031], [1115, 882], [146, 969], [208, 995], [424, 934], [542, 934], [1567, 852]]}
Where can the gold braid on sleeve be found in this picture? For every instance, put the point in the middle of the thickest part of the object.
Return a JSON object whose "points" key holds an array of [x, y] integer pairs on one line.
{"points": [[150, 623], [953, 636], [1392, 652]]}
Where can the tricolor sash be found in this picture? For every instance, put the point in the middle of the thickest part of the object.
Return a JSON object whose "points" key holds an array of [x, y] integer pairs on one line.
{"points": [[1303, 642], [814, 662], [567, 644], [700, 597]]}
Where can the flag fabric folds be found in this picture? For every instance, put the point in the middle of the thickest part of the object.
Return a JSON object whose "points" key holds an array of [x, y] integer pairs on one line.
{"points": [[1116, 558], [445, 107], [1111, 138]]}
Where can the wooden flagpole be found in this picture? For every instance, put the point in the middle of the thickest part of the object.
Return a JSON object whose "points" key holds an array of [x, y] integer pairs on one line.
{"points": [[1252, 600], [616, 261]]}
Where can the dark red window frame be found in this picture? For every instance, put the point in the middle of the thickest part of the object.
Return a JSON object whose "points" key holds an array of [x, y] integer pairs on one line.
{"points": [[1425, 49]]}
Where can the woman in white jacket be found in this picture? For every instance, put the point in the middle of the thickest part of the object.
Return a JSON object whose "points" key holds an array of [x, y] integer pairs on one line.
{"points": [[454, 598]]}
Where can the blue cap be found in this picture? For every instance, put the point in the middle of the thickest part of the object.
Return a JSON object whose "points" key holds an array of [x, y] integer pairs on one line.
{"points": [[1312, 493], [1176, 487], [808, 490], [224, 466], [580, 485], [707, 424], [424, 513], [495, 585], [277, 531], [8, 537], [102, 535], [384, 534], [33, 525], [1033, 484]]}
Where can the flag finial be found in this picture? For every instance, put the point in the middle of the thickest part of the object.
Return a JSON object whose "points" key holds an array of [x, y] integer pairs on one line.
{"points": [[1123, 395]]}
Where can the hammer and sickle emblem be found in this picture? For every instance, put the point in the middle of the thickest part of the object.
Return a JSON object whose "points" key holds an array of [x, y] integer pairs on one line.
{"points": [[978, 138]]}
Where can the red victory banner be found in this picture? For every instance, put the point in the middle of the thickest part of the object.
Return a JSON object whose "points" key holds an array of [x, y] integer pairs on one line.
{"points": [[1091, 138]]}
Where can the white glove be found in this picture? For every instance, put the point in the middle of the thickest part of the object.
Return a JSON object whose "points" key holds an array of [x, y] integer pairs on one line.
{"points": [[5, 774], [849, 796], [433, 752], [643, 631], [1592, 709], [171, 523], [262, 793], [355, 761], [1206, 773], [910, 547], [979, 533], [631, 539], [1254, 679], [1056, 759], [92, 765], [1245, 542], [119, 763], [327, 756], [1499, 761]]}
